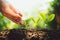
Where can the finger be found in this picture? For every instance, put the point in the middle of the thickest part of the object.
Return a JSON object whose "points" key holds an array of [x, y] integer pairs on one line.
{"points": [[11, 18], [16, 11], [19, 20], [12, 8], [8, 11], [15, 19]]}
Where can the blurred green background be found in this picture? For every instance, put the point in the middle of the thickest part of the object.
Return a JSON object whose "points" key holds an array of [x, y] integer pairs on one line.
{"points": [[40, 19]]}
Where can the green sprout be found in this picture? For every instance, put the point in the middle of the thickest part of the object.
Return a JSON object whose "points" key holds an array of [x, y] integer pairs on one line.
{"points": [[39, 22]]}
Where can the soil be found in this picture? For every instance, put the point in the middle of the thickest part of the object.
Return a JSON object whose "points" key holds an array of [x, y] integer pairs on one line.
{"points": [[29, 34]]}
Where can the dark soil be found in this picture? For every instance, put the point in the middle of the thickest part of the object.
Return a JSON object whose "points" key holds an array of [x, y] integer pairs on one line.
{"points": [[31, 34]]}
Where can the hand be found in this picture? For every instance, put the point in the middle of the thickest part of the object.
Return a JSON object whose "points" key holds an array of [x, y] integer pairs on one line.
{"points": [[10, 12]]}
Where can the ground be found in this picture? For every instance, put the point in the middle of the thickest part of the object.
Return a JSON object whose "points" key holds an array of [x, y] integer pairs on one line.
{"points": [[29, 34]]}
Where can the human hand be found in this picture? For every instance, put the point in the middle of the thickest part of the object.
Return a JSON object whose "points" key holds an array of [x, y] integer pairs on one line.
{"points": [[10, 12]]}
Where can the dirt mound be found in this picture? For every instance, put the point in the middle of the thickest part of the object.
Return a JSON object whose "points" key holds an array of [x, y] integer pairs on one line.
{"points": [[31, 34]]}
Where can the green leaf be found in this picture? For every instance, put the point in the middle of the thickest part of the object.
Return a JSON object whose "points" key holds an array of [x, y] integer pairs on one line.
{"points": [[33, 20], [51, 17], [43, 16], [37, 20]]}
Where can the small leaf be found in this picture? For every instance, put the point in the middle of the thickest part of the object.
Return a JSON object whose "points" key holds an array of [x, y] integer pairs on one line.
{"points": [[37, 19], [51, 17], [33, 20], [43, 16]]}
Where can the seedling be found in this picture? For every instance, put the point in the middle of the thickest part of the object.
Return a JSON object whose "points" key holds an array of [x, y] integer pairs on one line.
{"points": [[41, 21]]}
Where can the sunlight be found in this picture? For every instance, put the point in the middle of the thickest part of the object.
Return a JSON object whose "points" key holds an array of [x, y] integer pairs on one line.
{"points": [[27, 6]]}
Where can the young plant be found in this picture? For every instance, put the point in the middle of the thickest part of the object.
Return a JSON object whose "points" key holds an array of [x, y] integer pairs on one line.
{"points": [[45, 20], [41, 21]]}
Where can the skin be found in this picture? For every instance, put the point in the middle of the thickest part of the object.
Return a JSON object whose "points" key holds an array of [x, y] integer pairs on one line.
{"points": [[11, 13]]}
